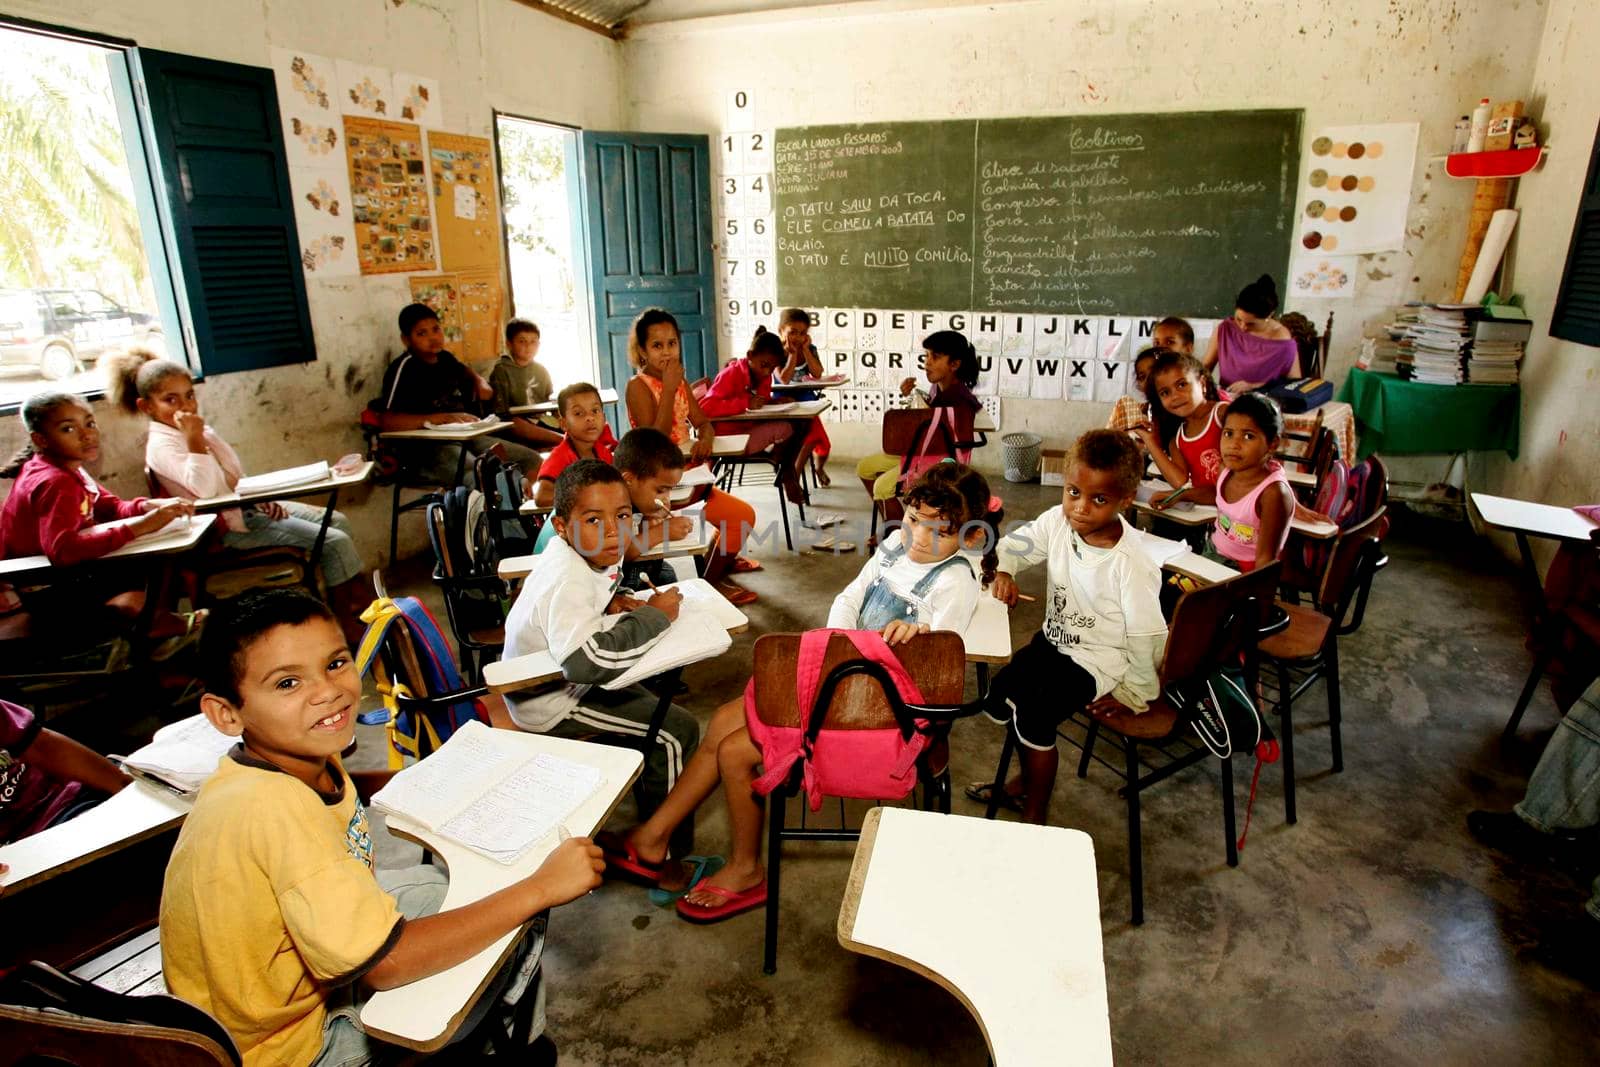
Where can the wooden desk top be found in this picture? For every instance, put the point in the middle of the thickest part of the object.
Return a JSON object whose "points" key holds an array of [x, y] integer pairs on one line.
{"points": [[803, 409], [1535, 520], [607, 396], [317, 488], [424, 1015], [1031, 972], [139, 811], [176, 536], [443, 433]]}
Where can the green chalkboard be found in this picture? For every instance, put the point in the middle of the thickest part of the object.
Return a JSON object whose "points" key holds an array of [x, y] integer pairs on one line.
{"points": [[1109, 214]]}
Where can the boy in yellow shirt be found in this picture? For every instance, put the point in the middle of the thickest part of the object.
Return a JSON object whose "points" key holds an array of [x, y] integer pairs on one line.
{"points": [[273, 918]]}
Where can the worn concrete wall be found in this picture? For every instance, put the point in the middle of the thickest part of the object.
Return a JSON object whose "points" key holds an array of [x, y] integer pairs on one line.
{"points": [[1358, 61], [487, 55], [1560, 458]]}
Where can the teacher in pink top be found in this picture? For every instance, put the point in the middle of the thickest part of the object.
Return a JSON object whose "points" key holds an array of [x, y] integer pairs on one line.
{"points": [[1252, 349]]}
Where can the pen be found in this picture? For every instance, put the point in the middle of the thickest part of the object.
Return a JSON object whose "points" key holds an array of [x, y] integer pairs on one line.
{"points": [[666, 530], [1025, 596], [562, 833], [1175, 495]]}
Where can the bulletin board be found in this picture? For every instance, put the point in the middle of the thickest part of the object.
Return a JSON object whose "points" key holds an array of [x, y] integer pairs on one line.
{"points": [[466, 200], [470, 304], [389, 196]]}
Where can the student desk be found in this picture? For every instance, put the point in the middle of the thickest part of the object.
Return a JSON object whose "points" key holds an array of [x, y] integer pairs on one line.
{"points": [[983, 423], [794, 410], [732, 444], [1206, 515], [447, 435], [425, 1014], [1525, 519], [809, 385], [330, 485], [607, 396], [177, 536], [137, 812], [923, 894]]}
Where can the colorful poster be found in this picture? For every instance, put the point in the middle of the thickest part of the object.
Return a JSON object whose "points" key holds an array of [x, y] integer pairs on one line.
{"points": [[389, 196], [470, 306], [308, 107], [466, 200], [416, 99], [1355, 188], [1326, 277], [365, 90], [322, 220]]}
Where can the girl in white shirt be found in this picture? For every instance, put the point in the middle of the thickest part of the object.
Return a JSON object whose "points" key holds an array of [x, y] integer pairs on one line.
{"points": [[192, 461]]}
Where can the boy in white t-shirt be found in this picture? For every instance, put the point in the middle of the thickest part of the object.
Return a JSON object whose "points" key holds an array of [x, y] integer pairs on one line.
{"points": [[1103, 629]]}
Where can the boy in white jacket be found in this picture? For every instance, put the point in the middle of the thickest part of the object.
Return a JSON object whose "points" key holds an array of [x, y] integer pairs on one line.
{"points": [[1103, 630]]}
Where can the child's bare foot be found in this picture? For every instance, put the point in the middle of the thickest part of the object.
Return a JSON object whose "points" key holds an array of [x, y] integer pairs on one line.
{"points": [[642, 859], [732, 881]]}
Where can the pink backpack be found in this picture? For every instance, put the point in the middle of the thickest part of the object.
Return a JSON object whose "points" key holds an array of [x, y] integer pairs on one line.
{"points": [[936, 442], [862, 764]]}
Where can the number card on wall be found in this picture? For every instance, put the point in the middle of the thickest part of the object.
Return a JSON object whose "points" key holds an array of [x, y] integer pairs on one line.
{"points": [[741, 110], [389, 196]]}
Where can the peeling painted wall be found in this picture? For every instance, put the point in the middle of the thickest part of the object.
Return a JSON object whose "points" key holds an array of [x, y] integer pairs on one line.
{"points": [[1560, 458], [1356, 61], [487, 55]]}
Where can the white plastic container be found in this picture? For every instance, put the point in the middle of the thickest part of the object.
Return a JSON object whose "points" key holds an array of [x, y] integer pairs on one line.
{"points": [[1480, 126], [1463, 133]]}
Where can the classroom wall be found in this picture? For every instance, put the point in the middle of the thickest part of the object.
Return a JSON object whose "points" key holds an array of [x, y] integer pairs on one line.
{"points": [[1348, 62], [486, 54], [1560, 456]]}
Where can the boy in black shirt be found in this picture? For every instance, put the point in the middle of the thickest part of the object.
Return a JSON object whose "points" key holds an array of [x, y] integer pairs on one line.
{"points": [[428, 384]]}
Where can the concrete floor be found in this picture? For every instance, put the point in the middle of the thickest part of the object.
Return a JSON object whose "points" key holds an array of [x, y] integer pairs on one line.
{"points": [[1374, 931]]}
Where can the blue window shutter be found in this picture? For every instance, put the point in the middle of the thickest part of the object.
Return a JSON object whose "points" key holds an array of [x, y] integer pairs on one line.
{"points": [[1577, 311], [219, 144]]}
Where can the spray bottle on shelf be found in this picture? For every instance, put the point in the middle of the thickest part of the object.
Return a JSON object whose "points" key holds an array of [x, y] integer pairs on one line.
{"points": [[1480, 126], [1463, 131]]}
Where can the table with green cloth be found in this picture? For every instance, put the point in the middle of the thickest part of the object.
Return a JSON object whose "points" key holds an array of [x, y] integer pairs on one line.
{"points": [[1398, 416]]}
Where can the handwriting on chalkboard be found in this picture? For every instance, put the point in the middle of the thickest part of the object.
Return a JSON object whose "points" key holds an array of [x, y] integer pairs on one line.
{"points": [[1128, 214]]}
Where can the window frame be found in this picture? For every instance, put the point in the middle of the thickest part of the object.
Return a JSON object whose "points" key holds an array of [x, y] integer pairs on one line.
{"points": [[163, 278]]}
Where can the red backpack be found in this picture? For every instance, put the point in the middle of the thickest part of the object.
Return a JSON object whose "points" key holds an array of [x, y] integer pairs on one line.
{"points": [[862, 764]]}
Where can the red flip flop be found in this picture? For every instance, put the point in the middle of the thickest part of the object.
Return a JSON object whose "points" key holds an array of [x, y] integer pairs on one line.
{"points": [[733, 903], [744, 565], [622, 856], [737, 595]]}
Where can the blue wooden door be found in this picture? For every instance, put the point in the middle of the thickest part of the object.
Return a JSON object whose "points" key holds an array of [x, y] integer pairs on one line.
{"points": [[647, 224]]}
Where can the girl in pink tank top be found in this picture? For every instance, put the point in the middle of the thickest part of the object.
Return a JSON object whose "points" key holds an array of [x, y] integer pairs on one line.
{"points": [[1184, 433], [1254, 499]]}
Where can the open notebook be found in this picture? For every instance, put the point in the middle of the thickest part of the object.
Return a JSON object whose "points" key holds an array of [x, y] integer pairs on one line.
{"points": [[700, 632], [486, 793], [181, 755]]}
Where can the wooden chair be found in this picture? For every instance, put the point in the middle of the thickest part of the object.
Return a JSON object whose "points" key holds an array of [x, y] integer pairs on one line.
{"points": [[1308, 647], [225, 573], [1572, 614], [855, 695], [901, 429], [473, 592], [50, 1017], [1213, 626]]}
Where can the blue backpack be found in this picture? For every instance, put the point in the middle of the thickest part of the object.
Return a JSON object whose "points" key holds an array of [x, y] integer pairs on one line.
{"points": [[418, 666]]}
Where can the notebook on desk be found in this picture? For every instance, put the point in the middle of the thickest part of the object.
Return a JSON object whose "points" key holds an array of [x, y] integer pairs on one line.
{"points": [[483, 791], [181, 755], [287, 478]]}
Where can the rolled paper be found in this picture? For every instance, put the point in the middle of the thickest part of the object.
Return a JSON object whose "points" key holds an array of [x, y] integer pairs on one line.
{"points": [[1494, 247], [1488, 196]]}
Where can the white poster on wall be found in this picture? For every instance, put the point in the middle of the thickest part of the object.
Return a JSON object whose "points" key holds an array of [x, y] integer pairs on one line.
{"points": [[1111, 380], [1115, 339], [869, 329], [985, 333], [988, 375], [1014, 371], [1079, 378], [897, 331], [1355, 188], [1049, 373], [1016, 335], [1050, 336]]}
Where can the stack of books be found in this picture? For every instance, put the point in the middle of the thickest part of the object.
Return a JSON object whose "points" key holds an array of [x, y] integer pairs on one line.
{"points": [[1438, 340], [1495, 356]]}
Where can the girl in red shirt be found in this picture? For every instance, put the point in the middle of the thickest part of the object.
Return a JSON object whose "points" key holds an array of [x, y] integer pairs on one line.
{"points": [[1185, 438]]}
